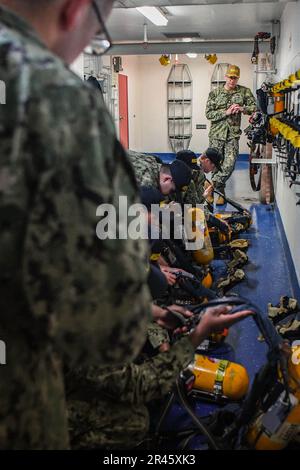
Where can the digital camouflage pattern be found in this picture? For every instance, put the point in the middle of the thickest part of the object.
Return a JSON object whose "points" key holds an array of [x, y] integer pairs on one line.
{"points": [[230, 151], [146, 168], [157, 336], [67, 298], [225, 130], [227, 127], [194, 193], [108, 406]]}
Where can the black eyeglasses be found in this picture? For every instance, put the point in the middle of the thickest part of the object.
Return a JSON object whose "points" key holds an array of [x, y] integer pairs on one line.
{"points": [[102, 42]]}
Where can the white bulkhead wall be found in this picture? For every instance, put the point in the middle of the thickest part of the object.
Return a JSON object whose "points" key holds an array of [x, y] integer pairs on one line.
{"points": [[147, 99]]}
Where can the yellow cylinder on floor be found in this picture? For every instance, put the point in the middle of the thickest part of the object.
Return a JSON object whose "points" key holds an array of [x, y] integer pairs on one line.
{"points": [[220, 377], [294, 371], [205, 254], [262, 438]]}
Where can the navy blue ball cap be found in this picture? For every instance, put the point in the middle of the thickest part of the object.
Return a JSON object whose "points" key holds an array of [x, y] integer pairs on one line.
{"points": [[181, 175], [189, 158], [214, 156]]}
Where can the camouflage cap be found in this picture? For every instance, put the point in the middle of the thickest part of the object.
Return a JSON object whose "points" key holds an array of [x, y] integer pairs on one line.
{"points": [[233, 71]]}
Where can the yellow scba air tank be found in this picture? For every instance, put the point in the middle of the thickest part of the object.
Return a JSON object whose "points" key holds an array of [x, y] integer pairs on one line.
{"points": [[219, 378], [199, 234], [294, 371], [274, 429], [263, 435]]}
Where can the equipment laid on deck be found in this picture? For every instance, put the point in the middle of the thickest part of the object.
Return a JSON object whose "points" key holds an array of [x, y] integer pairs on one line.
{"points": [[218, 378], [269, 416]]}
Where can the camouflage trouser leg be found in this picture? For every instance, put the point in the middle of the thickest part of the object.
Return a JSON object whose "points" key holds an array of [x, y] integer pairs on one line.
{"points": [[230, 151], [106, 424]]}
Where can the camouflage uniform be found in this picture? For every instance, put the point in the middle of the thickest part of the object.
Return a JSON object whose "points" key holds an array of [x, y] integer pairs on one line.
{"points": [[225, 130], [194, 194], [146, 168], [108, 406], [66, 297]]}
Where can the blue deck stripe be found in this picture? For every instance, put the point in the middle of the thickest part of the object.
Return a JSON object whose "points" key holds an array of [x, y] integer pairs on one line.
{"points": [[169, 157]]}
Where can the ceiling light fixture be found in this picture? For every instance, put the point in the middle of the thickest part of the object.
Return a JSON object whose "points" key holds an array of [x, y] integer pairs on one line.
{"points": [[192, 55], [154, 15], [145, 43]]}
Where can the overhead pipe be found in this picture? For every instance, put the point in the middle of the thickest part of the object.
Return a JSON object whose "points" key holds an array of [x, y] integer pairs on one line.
{"points": [[174, 47], [174, 3]]}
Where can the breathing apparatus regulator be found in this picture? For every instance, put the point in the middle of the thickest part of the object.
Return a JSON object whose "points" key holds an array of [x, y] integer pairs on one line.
{"points": [[257, 132], [238, 220]]}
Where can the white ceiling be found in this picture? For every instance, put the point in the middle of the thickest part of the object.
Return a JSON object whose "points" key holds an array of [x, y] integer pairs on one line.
{"points": [[211, 19]]}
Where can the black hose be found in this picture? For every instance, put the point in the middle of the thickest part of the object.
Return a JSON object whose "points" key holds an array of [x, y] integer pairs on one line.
{"points": [[164, 414], [199, 291], [203, 429], [215, 222]]}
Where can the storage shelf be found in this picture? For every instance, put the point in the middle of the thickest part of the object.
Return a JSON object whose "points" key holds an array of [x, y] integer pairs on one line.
{"points": [[180, 137], [179, 118], [179, 99], [180, 83], [265, 71]]}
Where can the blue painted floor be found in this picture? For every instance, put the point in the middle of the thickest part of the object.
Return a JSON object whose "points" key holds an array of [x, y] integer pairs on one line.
{"points": [[268, 276]]}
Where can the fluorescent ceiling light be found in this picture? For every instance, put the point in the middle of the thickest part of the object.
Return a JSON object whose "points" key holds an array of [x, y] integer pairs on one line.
{"points": [[154, 15], [191, 55], [186, 39]]}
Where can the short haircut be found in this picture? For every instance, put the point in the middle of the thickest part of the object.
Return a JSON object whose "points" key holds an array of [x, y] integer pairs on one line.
{"points": [[165, 168]]}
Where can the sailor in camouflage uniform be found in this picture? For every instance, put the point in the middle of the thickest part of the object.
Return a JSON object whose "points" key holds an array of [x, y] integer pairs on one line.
{"points": [[224, 108], [208, 162], [67, 298], [172, 180], [109, 407]]}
